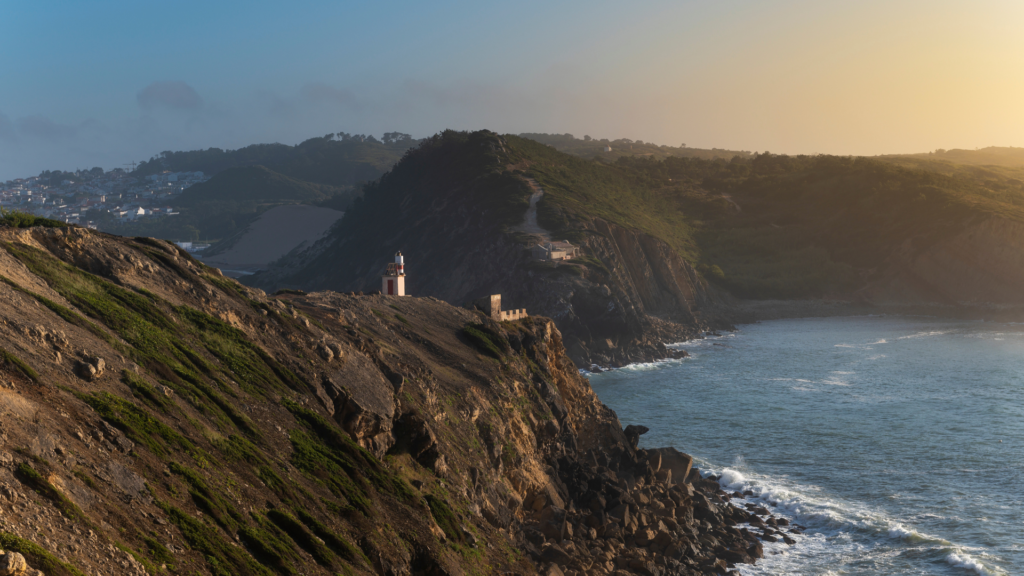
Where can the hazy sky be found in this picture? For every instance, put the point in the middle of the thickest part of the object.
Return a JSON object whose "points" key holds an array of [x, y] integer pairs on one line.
{"points": [[101, 83]]}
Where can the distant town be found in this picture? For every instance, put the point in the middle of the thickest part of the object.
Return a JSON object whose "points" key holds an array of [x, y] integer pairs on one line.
{"points": [[91, 197]]}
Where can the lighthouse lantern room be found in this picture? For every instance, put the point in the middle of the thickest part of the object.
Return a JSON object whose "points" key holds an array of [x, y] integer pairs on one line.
{"points": [[393, 281]]}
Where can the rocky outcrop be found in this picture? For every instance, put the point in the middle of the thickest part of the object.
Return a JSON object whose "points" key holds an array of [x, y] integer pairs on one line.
{"points": [[234, 432]]}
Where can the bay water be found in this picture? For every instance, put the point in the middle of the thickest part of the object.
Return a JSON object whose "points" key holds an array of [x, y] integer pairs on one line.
{"points": [[897, 441]]}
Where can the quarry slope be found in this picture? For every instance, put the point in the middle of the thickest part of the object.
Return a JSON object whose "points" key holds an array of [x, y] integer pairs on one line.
{"points": [[156, 417]]}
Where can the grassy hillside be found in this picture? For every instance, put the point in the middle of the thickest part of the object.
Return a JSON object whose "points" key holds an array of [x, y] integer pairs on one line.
{"points": [[328, 171], [577, 189], [455, 191], [250, 187], [337, 160], [774, 226], [224, 205], [813, 226], [592, 148], [992, 156]]}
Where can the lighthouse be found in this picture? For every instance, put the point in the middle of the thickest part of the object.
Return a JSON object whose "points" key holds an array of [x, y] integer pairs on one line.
{"points": [[393, 281]]}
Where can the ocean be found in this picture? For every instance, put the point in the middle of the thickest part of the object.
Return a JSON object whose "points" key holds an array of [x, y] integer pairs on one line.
{"points": [[897, 441]]}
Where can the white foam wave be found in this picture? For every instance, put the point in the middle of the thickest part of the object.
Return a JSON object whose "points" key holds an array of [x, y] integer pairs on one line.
{"points": [[901, 532], [833, 521], [924, 334], [732, 479], [965, 561], [655, 365]]}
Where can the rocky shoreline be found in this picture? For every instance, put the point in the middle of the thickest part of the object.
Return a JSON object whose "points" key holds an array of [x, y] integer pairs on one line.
{"points": [[646, 512]]}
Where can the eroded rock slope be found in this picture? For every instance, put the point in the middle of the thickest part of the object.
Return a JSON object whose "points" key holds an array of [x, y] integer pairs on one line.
{"points": [[156, 417]]}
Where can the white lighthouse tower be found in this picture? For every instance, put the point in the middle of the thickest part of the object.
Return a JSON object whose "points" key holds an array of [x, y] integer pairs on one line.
{"points": [[393, 281]]}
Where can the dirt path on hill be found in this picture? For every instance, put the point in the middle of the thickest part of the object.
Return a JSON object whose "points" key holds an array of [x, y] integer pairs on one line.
{"points": [[530, 225], [731, 201]]}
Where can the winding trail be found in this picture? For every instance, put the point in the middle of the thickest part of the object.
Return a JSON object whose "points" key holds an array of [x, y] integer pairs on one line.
{"points": [[530, 225]]}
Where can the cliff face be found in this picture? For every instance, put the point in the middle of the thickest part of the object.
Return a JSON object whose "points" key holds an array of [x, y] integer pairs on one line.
{"points": [[154, 413], [980, 265]]}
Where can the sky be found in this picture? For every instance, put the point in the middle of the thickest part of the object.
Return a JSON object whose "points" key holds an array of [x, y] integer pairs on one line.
{"points": [[104, 83]]}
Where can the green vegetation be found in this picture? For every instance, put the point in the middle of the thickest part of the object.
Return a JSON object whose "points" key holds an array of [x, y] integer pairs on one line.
{"points": [[591, 148], [222, 557], [150, 568], [445, 518], [15, 219], [87, 480], [137, 424], [256, 371], [335, 542], [37, 556], [770, 226], [301, 536], [485, 340], [67, 314], [158, 551], [34, 480], [331, 456], [164, 340], [991, 156], [12, 360], [328, 171], [223, 513], [264, 543], [336, 159], [145, 392]]}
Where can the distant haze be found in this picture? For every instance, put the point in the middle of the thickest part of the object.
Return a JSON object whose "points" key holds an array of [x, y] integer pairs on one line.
{"points": [[103, 83]]}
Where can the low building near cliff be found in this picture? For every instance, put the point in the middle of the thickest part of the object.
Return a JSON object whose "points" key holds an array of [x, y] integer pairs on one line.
{"points": [[491, 305], [558, 250]]}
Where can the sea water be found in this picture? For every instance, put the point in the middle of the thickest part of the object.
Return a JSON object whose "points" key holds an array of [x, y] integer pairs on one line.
{"points": [[898, 442]]}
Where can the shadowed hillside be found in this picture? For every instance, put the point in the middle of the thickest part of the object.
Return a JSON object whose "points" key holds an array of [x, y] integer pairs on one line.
{"points": [[655, 232], [452, 205]]}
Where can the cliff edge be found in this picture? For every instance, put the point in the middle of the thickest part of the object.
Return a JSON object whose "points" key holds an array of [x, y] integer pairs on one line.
{"points": [[156, 416]]}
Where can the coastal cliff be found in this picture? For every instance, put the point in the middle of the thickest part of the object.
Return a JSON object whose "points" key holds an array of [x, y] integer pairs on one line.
{"points": [[156, 416], [453, 207], [981, 265]]}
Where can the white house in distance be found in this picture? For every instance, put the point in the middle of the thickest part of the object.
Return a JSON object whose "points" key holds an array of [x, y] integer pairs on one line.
{"points": [[563, 250], [393, 280]]}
